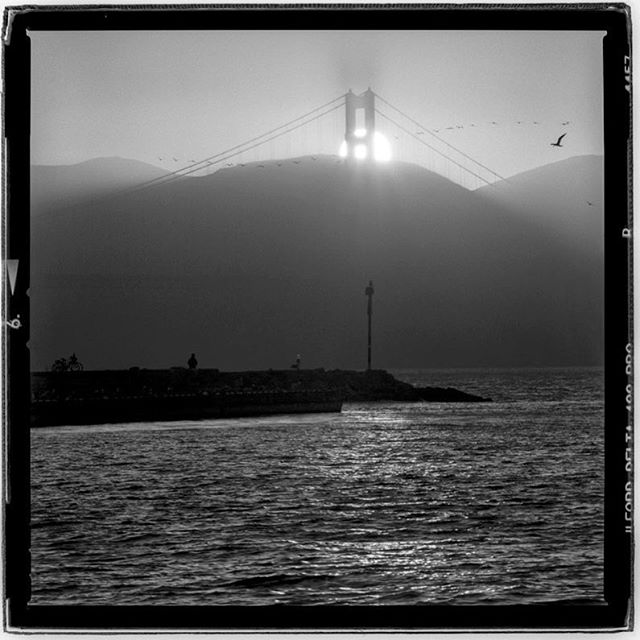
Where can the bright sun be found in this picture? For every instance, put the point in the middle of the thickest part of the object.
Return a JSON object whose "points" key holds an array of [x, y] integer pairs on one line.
{"points": [[381, 147]]}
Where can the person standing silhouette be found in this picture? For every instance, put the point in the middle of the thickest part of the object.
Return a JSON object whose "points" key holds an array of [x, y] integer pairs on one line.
{"points": [[192, 362]]}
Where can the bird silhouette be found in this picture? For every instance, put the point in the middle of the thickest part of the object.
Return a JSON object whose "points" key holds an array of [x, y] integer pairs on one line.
{"points": [[492, 122], [590, 203], [448, 128], [567, 122], [175, 159], [558, 142], [159, 158], [534, 122]]}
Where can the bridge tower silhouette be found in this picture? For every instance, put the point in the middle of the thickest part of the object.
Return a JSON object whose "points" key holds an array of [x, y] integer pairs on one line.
{"points": [[359, 132]]}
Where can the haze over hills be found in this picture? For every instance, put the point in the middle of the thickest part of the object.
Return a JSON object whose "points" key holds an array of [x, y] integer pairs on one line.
{"points": [[252, 265]]}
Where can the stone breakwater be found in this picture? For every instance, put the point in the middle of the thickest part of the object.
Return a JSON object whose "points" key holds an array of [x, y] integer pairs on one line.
{"points": [[352, 385], [87, 397]]}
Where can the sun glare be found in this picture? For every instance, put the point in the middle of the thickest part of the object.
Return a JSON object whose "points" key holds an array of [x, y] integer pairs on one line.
{"points": [[360, 152], [381, 147]]}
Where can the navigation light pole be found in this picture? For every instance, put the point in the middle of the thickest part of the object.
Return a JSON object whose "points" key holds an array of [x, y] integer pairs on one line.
{"points": [[369, 293]]}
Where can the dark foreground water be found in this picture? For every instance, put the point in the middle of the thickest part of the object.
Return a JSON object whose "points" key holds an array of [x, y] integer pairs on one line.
{"points": [[388, 503]]}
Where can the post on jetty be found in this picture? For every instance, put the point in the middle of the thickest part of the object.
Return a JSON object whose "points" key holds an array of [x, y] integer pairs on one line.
{"points": [[369, 293]]}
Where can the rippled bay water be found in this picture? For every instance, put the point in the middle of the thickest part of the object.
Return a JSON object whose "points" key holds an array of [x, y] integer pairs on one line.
{"points": [[386, 503]]}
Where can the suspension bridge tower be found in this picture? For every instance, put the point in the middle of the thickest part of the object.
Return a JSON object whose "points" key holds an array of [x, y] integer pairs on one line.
{"points": [[360, 124]]}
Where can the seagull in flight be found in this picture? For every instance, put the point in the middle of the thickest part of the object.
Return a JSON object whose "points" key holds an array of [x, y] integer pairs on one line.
{"points": [[567, 122], [558, 142], [590, 203]]}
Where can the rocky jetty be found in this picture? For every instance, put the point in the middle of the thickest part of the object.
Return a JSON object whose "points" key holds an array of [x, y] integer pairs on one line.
{"points": [[152, 383]]}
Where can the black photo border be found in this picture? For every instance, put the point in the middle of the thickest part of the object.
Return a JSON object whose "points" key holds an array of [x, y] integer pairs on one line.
{"points": [[615, 613]]}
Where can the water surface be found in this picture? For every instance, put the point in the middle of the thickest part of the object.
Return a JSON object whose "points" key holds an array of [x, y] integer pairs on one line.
{"points": [[386, 503]]}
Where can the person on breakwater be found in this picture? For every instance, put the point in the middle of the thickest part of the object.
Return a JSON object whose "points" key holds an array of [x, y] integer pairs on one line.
{"points": [[192, 362]]}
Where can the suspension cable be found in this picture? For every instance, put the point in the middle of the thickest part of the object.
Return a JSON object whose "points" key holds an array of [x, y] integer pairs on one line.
{"points": [[201, 164], [431, 147], [230, 154], [422, 127]]}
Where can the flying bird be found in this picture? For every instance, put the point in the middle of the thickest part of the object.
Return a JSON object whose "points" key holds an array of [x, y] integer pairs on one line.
{"points": [[175, 159], [492, 122], [534, 122], [558, 143], [448, 128], [159, 158], [567, 122], [590, 203]]}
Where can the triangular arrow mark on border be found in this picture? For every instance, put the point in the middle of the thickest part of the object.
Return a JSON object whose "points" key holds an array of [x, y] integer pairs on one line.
{"points": [[12, 271]]}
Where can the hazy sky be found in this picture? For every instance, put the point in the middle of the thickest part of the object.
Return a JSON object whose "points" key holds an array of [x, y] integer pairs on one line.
{"points": [[189, 95]]}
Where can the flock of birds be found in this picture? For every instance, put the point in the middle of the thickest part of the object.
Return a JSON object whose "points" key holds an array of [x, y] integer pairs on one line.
{"points": [[240, 164], [557, 143]]}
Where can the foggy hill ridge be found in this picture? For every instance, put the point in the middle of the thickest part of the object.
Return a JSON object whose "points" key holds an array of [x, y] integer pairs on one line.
{"points": [[250, 266]]}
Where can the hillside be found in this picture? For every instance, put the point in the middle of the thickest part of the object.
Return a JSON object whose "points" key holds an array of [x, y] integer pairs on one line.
{"points": [[252, 265], [566, 196]]}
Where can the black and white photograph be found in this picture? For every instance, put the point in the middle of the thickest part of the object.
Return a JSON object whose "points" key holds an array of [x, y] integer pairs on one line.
{"points": [[315, 316]]}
